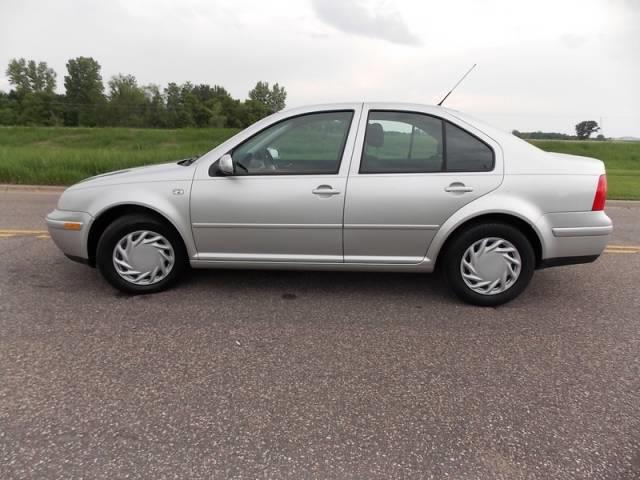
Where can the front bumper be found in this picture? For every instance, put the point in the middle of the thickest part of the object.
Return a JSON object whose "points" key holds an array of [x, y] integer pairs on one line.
{"points": [[69, 231], [573, 237]]}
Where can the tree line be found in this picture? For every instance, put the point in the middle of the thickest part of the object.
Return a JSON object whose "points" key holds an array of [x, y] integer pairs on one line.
{"points": [[584, 130], [33, 100]]}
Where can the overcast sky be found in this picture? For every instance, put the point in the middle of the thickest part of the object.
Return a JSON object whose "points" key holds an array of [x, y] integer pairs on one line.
{"points": [[542, 65]]}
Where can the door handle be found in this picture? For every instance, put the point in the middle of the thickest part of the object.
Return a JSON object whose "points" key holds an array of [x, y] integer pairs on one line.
{"points": [[458, 187], [325, 190]]}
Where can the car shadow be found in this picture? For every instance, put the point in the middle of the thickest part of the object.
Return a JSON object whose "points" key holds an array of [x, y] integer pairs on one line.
{"points": [[292, 283]]}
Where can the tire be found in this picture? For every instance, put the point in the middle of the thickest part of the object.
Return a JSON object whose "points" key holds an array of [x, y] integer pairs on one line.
{"points": [[490, 261], [158, 244]]}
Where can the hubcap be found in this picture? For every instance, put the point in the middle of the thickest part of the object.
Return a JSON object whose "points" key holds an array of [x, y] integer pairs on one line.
{"points": [[143, 257], [490, 266]]}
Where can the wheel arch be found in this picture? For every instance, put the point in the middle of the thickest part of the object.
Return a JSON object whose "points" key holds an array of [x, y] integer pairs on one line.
{"points": [[110, 214], [516, 221]]}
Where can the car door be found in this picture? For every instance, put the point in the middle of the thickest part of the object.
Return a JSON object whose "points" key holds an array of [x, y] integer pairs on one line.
{"points": [[286, 199], [412, 170]]}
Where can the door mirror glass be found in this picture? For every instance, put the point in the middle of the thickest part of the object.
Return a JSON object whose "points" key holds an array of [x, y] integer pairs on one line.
{"points": [[225, 165]]}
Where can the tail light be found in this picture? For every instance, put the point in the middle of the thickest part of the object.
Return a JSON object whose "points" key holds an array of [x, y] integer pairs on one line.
{"points": [[601, 194]]}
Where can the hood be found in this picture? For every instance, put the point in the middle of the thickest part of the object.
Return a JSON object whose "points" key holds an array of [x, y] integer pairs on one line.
{"points": [[151, 173]]}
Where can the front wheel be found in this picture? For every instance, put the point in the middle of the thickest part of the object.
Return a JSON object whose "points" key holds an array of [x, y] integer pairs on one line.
{"points": [[140, 254], [489, 264]]}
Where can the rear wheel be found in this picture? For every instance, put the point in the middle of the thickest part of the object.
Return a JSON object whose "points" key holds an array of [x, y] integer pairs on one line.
{"points": [[489, 264], [140, 254]]}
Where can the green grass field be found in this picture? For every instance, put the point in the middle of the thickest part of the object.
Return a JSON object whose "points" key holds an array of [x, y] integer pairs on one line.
{"points": [[62, 156]]}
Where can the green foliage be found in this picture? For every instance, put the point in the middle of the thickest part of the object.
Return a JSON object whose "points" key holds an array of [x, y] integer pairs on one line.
{"points": [[84, 92], [31, 77], [272, 99], [8, 108], [543, 135], [33, 101], [585, 128], [126, 104]]}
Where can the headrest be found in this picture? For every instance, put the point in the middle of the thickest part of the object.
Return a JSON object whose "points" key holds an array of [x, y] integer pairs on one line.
{"points": [[374, 135]]}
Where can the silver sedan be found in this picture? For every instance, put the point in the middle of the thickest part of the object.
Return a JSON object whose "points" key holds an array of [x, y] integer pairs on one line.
{"points": [[373, 186]]}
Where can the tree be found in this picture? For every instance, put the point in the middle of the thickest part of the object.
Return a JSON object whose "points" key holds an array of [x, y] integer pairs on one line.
{"points": [[156, 113], [84, 92], [252, 111], [34, 85], [31, 77], [8, 108], [278, 98], [273, 98], [585, 128], [127, 102], [231, 108], [178, 112], [33, 100]]}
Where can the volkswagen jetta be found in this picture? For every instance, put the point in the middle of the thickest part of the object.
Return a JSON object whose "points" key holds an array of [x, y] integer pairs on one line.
{"points": [[362, 186]]}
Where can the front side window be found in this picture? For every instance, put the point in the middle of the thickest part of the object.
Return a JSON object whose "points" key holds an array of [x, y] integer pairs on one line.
{"points": [[406, 142], [303, 145], [402, 142]]}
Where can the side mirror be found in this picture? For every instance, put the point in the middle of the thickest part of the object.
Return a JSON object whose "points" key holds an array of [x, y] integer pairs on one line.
{"points": [[225, 165]]}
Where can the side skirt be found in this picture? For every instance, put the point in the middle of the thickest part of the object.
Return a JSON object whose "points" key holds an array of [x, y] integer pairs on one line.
{"points": [[426, 266]]}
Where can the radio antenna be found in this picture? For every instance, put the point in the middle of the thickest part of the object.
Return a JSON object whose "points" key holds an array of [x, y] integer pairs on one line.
{"points": [[459, 82]]}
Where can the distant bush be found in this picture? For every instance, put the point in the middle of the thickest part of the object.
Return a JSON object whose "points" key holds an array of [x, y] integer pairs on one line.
{"points": [[543, 135]]}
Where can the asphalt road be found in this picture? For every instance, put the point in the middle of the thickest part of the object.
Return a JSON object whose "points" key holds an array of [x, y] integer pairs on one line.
{"points": [[239, 374]]}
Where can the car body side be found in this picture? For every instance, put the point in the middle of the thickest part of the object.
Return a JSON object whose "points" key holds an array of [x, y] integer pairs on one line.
{"points": [[548, 194]]}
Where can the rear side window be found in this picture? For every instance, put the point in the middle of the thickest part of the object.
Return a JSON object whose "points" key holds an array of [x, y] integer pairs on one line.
{"points": [[408, 142], [402, 142], [465, 153]]}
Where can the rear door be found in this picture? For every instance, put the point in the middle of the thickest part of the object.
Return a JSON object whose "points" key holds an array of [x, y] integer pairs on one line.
{"points": [[412, 169]]}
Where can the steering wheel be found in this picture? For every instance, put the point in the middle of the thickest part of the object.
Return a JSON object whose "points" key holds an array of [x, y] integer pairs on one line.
{"points": [[258, 161], [267, 158]]}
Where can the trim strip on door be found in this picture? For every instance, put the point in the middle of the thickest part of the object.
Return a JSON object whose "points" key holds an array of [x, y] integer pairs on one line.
{"points": [[268, 225], [384, 226], [268, 257]]}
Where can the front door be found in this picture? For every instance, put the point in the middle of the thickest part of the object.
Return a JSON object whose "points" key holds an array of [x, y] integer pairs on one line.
{"points": [[411, 172], [286, 199]]}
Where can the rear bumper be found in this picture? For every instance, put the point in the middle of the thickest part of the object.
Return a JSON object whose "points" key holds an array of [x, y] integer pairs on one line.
{"points": [[72, 242], [573, 237]]}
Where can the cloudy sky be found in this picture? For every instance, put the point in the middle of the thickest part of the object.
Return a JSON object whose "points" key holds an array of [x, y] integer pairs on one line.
{"points": [[542, 65]]}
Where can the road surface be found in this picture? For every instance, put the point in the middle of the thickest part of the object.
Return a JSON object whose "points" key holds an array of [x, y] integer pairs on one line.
{"points": [[242, 374]]}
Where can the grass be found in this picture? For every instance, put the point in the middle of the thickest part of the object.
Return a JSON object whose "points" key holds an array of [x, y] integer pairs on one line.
{"points": [[62, 156]]}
